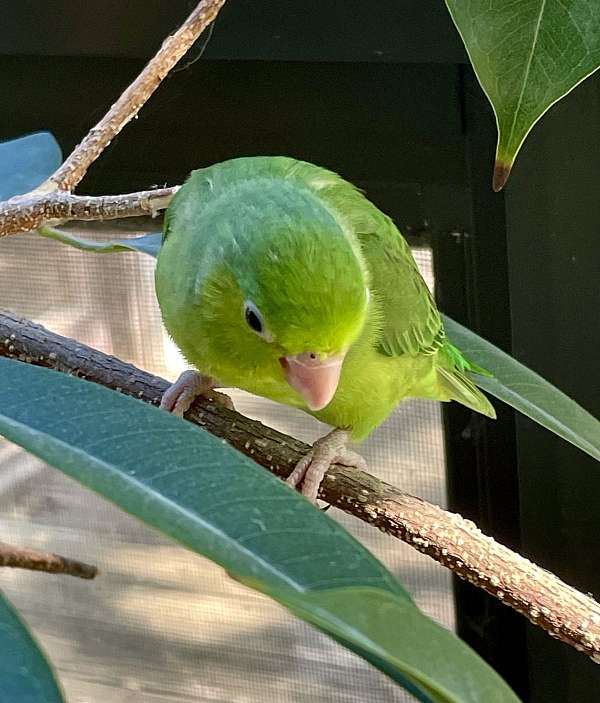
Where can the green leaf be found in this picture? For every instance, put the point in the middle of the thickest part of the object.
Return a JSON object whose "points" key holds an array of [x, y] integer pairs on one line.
{"points": [[146, 243], [26, 162], [25, 675], [378, 627], [526, 391], [527, 55], [215, 501]]}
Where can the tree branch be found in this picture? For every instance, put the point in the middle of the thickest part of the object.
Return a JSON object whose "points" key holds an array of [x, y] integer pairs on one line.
{"points": [[451, 540], [134, 98], [32, 210], [46, 206], [44, 561]]}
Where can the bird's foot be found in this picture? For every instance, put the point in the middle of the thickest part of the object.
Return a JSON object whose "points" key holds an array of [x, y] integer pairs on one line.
{"points": [[180, 395], [330, 449]]}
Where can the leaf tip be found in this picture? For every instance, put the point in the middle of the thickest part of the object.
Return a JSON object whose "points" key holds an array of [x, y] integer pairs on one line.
{"points": [[501, 173]]}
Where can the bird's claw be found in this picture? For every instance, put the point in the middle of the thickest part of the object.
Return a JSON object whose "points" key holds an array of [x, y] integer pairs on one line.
{"points": [[180, 395], [329, 450]]}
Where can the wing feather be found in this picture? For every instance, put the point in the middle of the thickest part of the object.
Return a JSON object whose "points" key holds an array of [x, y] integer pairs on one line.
{"points": [[411, 323]]}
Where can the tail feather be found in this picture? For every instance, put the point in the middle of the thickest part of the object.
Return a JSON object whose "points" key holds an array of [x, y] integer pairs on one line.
{"points": [[458, 387], [454, 382]]}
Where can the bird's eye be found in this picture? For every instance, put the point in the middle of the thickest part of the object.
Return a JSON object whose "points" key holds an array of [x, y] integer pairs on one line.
{"points": [[255, 321]]}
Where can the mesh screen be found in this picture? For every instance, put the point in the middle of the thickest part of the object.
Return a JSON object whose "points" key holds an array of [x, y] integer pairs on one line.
{"points": [[162, 624]]}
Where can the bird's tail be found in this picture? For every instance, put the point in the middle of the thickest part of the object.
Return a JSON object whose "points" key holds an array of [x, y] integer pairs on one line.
{"points": [[454, 382]]}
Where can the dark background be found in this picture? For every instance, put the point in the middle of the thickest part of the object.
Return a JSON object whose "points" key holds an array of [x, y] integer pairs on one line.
{"points": [[382, 93]]}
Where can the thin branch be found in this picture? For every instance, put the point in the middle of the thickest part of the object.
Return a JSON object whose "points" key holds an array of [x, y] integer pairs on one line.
{"points": [[26, 212], [51, 203], [133, 99], [44, 561], [448, 538]]}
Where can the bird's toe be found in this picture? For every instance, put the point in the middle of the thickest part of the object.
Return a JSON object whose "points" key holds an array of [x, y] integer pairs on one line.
{"points": [[179, 396], [311, 469], [299, 472]]}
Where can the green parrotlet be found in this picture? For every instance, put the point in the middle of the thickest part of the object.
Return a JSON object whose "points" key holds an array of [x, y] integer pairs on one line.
{"points": [[279, 277]]}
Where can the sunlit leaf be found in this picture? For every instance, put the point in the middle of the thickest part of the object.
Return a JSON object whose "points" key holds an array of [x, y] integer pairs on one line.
{"points": [[215, 501], [527, 55], [27, 162], [25, 676], [527, 392]]}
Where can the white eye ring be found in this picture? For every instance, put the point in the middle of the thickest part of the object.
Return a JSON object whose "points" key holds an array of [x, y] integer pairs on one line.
{"points": [[255, 321]]}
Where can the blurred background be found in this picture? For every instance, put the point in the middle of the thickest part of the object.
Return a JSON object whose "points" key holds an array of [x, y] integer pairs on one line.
{"points": [[381, 93]]}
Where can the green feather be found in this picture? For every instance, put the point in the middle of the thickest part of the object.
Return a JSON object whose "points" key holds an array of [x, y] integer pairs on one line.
{"points": [[305, 247]]}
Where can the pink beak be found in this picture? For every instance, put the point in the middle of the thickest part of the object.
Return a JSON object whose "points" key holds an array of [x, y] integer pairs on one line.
{"points": [[316, 380]]}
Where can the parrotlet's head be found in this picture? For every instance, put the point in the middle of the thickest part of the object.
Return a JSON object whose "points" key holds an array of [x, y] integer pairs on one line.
{"points": [[288, 291]]}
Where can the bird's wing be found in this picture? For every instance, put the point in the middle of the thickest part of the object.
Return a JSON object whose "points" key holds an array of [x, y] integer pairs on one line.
{"points": [[410, 323]]}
